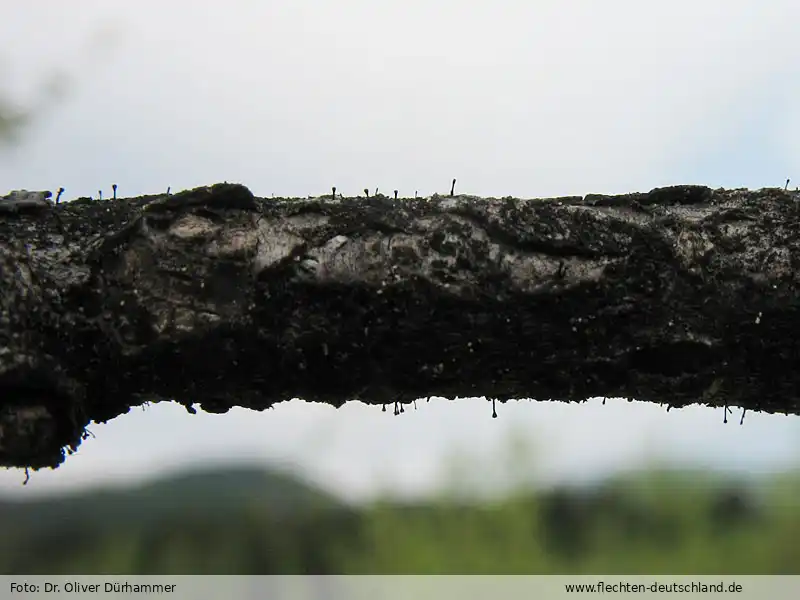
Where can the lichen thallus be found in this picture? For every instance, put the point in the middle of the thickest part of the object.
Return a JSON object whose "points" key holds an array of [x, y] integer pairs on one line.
{"points": [[84, 436]]}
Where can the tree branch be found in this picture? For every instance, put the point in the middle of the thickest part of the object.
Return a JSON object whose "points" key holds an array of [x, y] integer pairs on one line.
{"points": [[681, 295]]}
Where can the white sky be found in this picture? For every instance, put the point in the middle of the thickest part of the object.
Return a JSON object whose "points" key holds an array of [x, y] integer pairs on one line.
{"points": [[527, 98]]}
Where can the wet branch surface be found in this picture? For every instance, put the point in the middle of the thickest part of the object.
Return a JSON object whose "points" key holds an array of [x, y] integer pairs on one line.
{"points": [[678, 296]]}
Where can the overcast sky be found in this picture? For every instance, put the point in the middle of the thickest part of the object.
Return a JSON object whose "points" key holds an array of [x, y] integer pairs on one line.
{"points": [[528, 98]]}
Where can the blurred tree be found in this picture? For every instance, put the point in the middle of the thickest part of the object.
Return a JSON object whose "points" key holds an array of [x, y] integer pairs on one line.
{"points": [[11, 121], [14, 118]]}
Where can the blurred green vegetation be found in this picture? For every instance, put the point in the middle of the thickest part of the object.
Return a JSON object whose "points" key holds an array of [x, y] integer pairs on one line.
{"points": [[252, 521]]}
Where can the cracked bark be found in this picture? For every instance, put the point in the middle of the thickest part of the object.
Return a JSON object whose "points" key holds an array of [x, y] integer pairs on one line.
{"points": [[678, 296]]}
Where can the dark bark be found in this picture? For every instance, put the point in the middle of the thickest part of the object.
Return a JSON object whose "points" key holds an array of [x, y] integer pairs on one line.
{"points": [[678, 296]]}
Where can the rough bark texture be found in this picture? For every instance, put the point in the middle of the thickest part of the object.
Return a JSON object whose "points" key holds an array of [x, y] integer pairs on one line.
{"points": [[678, 296]]}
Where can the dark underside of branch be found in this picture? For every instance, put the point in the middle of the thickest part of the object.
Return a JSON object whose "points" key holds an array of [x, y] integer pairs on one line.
{"points": [[679, 296]]}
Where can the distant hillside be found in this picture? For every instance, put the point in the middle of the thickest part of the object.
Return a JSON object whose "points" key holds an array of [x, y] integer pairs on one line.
{"points": [[242, 520], [196, 493]]}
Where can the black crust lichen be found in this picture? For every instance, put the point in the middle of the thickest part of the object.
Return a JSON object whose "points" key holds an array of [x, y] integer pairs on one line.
{"points": [[211, 296]]}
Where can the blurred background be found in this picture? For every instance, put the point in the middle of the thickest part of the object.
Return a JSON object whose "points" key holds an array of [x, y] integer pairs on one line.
{"points": [[530, 99]]}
